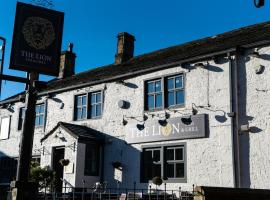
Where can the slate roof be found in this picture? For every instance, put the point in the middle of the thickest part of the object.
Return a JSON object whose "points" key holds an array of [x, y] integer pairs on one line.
{"points": [[244, 36], [240, 37], [77, 131]]}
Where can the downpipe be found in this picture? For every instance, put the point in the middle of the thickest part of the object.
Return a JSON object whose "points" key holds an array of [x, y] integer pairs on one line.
{"points": [[234, 110]]}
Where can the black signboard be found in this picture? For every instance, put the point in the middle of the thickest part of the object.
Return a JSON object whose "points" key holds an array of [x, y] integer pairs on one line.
{"points": [[173, 129], [37, 39]]}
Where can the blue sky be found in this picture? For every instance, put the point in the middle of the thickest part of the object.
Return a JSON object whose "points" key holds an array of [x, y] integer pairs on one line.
{"points": [[92, 25]]}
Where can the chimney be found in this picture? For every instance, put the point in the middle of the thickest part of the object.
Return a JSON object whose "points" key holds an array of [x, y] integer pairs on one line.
{"points": [[125, 47], [67, 63]]}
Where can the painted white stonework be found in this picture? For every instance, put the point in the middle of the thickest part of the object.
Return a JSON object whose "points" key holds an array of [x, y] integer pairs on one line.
{"points": [[209, 160]]}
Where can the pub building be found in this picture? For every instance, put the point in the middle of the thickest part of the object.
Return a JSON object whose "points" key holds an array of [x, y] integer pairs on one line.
{"points": [[196, 113]]}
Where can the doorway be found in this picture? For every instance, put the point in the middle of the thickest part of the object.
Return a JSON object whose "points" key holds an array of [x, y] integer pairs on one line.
{"points": [[58, 154]]}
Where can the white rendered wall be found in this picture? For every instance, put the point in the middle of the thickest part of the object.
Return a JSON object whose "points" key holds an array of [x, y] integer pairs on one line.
{"points": [[209, 160]]}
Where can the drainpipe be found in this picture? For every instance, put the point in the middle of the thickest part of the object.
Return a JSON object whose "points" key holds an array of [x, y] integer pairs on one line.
{"points": [[234, 110]]}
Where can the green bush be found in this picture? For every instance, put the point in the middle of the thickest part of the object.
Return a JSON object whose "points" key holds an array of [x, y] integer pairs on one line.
{"points": [[44, 176]]}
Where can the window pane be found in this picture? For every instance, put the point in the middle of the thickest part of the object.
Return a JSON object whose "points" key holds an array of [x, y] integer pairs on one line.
{"points": [[148, 156], [179, 97], [37, 121], [158, 100], [23, 112], [170, 170], [83, 113], [41, 120], [93, 111], [148, 171], [84, 100], [37, 109], [78, 101], [79, 113], [41, 110], [156, 155], [98, 97], [150, 87], [171, 99], [158, 86], [170, 83], [150, 102], [179, 154], [156, 170], [98, 110], [170, 154], [180, 170], [179, 82], [93, 99]]}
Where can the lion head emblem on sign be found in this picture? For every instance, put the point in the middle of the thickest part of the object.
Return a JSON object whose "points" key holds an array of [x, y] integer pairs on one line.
{"points": [[167, 130], [38, 32]]}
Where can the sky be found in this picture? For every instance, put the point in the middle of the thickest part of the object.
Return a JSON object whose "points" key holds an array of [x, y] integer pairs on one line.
{"points": [[92, 25]]}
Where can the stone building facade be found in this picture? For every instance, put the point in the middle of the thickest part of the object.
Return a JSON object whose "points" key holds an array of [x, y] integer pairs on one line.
{"points": [[196, 113]]}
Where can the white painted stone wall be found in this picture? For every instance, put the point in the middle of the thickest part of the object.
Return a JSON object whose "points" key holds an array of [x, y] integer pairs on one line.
{"points": [[256, 113], [209, 160]]}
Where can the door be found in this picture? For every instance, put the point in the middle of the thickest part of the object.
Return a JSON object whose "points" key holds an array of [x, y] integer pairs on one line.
{"points": [[58, 154]]}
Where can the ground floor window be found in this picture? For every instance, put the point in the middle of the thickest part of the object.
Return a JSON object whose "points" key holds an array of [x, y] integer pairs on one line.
{"points": [[92, 158], [8, 167], [166, 161]]}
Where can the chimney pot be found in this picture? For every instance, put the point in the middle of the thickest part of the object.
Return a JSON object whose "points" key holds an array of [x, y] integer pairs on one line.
{"points": [[125, 47]]}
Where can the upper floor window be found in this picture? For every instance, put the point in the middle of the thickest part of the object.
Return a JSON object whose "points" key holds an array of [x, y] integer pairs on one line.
{"points": [[165, 92], [175, 91], [80, 107], [40, 115], [88, 106], [154, 94], [96, 104]]}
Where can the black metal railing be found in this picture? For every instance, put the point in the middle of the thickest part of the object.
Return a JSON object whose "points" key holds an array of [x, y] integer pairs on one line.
{"points": [[104, 193]]}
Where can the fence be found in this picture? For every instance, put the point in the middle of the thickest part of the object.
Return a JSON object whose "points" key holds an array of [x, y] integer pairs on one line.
{"points": [[70, 193]]}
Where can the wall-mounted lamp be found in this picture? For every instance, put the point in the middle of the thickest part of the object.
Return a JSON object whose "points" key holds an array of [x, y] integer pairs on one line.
{"points": [[140, 126], [200, 64], [143, 119], [186, 120], [255, 54], [124, 121], [10, 108], [122, 82], [259, 69], [162, 122], [194, 110]]}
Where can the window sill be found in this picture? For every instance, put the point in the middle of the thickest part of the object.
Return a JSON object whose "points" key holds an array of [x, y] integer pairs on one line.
{"points": [[88, 119], [170, 180], [166, 108]]}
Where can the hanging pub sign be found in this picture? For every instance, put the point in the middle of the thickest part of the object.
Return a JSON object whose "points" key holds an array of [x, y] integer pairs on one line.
{"points": [[177, 128], [37, 39]]}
